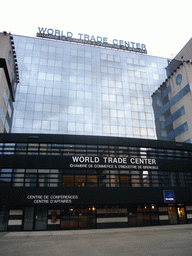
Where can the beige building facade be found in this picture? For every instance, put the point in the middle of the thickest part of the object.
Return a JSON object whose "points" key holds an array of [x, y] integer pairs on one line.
{"points": [[185, 53], [172, 101], [9, 78]]}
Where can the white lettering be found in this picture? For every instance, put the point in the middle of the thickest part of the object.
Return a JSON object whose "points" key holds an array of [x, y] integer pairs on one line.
{"points": [[143, 161], [34, 197], [127, 166], [75, 159], [115, 160], [104, 166], [85, 159], [41, 201], [44, 199], [78, 165]]}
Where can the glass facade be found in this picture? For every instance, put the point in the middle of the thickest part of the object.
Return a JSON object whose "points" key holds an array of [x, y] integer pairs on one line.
{"points": [[70, 88]]}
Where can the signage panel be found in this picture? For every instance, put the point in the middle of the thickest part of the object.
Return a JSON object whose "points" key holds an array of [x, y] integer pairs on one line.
{"points": [[169, 196], [113, 163], [52, 199]]}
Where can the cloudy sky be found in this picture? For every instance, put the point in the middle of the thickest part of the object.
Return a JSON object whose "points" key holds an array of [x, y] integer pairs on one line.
{"points": [[163, 26]]}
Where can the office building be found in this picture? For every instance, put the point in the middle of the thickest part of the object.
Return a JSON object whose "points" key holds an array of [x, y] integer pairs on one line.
{"points": [[68, 163], [172, 100], [9, 78], [84, 87]]}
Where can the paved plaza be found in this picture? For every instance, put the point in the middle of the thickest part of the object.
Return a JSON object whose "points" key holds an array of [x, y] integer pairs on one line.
{"points": [[161, 240]]}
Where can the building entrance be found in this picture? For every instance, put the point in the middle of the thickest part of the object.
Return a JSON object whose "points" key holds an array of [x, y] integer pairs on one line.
{"points": [[142, 215], [172, 215], [74, 217], [177, 214], [3, 218], [35, 218], [67, 217], [181, 214], [28, 218]]}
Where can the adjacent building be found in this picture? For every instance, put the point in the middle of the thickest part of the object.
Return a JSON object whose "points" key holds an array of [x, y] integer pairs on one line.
{"points": [[9, 78], [172, 100]]}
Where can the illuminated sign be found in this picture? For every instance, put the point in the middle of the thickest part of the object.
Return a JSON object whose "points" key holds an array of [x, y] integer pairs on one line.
{"points": [[113, 162], [91, 39], [169, 196]]}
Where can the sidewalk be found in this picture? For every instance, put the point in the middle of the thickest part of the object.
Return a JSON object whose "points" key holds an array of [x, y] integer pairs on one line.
{"points": [[98, 231], [140, 241]]}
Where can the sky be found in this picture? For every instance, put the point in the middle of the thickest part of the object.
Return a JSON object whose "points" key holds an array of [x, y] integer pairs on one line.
{"points": [[163, 26]]}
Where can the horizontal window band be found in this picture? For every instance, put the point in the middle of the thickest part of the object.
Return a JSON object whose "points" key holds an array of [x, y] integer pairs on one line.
{"points": [[163, 217], [189, 216], [112, 220], [16, 212], [104, 211], [15, 222]]}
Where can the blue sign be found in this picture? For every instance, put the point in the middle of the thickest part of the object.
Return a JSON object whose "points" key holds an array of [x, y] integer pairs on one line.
{"points": [[169, 196]]}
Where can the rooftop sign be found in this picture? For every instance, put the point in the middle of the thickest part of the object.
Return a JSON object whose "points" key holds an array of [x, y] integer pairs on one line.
{"points": [[91, 40]]}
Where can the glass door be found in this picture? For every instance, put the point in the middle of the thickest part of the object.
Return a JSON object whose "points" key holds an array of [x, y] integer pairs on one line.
{"points": [[69, 217], [74, 217], [28, 218], [172, 215], [3, 218], [87, 216], [146, 216], [41, 218]]}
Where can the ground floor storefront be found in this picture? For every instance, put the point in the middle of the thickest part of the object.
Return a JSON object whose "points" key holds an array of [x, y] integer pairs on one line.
{"points": [[68, 217], [63, 182]]}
